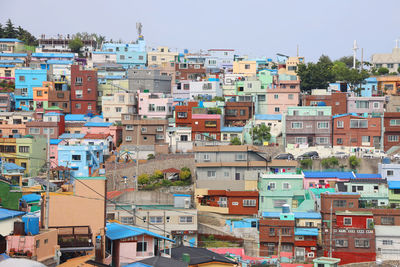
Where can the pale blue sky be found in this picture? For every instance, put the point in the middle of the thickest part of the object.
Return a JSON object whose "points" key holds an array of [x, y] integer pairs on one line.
{"points": [[256, 28]]}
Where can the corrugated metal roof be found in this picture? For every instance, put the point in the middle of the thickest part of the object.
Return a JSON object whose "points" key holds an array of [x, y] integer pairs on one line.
{"points": [[10, 40], [232, 129], [98, 124], [394, 184], [75, 117], [31, 198], [306, 231], [339, 175], [8, 166], [368, 175], [6, 214], [12, 61], [64, 55], [13, 54], [117, 231], [60, 62], [71, 136], [269, 117]]}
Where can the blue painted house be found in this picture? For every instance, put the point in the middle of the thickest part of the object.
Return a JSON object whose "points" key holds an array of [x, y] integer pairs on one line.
{"points": [[369, 87], [129, 55], [25, 80], [82, 159]]}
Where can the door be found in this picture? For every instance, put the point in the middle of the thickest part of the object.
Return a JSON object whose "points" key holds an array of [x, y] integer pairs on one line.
{"points": [[237, 176], [377, 141], [300, 254], [310, 141]]}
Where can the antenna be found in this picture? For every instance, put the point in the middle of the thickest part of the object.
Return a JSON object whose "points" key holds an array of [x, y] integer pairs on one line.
{"points": [[355, 48]]}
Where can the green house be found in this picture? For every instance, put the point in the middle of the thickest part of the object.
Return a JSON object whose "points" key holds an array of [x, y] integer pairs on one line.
{"points": [[394, 194]]}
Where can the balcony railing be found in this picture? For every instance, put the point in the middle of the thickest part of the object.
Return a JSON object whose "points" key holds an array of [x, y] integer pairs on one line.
{"points": [[74, 236]]}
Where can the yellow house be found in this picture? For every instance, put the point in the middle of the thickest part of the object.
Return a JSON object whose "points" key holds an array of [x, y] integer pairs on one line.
{"points": [[162, 55], [389, 85], [244, 67], [7, 71], [291, 65]]}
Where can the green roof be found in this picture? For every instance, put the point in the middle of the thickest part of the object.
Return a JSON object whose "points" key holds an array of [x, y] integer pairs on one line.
{"points": [[53, 108], [157, 207], [354, 213]]}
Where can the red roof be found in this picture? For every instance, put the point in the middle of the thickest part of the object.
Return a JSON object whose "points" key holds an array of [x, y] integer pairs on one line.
{"points": [[171, 170], [96, 136], [114, 194]]}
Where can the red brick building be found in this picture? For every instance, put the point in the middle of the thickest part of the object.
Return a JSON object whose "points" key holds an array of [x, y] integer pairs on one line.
{"points": [[237, 202], [353, 237], [391, 123], [237, 113], [356, 131], [206, 127], [190, 71], [83, 90], [337, 100], [183, 114]]}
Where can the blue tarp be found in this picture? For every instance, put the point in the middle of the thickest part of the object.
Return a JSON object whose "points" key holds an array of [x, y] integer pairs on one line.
{"points": [[31, 198], [6, 214], [8, 166], [117, 231], [394, 184]]}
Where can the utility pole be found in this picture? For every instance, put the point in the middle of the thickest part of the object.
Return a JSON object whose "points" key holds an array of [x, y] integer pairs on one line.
{"points": [[279, 245], [137, 155], [48, 181], [330, 233]]}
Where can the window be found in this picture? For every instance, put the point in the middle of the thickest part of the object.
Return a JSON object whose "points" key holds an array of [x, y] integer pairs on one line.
{"points": [[34, 130], [206, 157], [184, 137], [341, 243], [347, 221], [242, 112], [89, 107], [121, 98], [160, 129], [276, 96], [389, 172], [185, 219], [301, 140], [271, 231], [387, 242], [182, 115], [89, 91], [45, 130], [159, 136], [128, 138], [261, 98], [127, 220], [39, 93], [144, 129], [140, 57], [285, 186], [387, 220], [339, 141], [362, 104], [361, 243], [210, 124], [21, 78], [390, 65], [141, 246], [240, 156], [78, 93], [24, 149], [129, 127], [226, 174], [127, 117], [153, 58], [285, 231], [322, 125], [393, 138], [76, 157], [375, 105], [340, 124], [278, 203], [297, 125], [365, 139], [156, 219], [290, 96], [358, 124], [338, 203], [211, 173], [277, 109], [249, 202], [37, 243], [118, 109], [394, 122], [247, 66], [271, 186], [78, 80]]}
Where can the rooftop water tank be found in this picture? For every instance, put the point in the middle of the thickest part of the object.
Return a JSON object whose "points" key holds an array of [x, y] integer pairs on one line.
{"points": [[31, 224], [285, 208]]}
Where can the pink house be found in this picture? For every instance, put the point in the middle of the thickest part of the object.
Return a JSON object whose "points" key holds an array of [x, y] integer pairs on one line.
{"points": [[103, 128], [325, 179], [154, 105], [53, 151], [127, 244], [283, 94]]}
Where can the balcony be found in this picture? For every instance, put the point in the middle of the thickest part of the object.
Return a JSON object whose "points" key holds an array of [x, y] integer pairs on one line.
{"points": [[74, 238]]}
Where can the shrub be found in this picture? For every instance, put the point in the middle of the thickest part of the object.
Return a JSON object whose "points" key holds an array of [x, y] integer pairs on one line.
{"points": [[184, 175], [166, 182], [150, 156], [143, 179], [158, 174], [354, 162], [236, 141], [330, 162], [306, 163]]}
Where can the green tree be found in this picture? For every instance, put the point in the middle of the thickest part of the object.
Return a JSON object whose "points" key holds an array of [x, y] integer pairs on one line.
{"points": [[219, 98], [383, 71], [184, 175], [150, 156], [354, 162], [75, 45], [143, 179], [1, 31], [306, 164], [316, 75], [331, 162], [260, 134], [9, 30], [235, 141]]}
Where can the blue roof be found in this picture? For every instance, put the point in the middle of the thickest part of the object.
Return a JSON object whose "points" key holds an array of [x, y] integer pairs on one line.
{"points": [[75, 117], [98, 124], [71, 136], [339, 175], [103, 52], [6, 66], [394, 184], [13, 54], [344, 115], [31, 198], [6, 214], [232, 129], [182, 195], [297, 215], [10, 40], [117, 231], [368, 175], [137, 264], [271, 117], [8, 166], [55, 141], [306, 231], [60, 62], [64, 55], [17, 60]]}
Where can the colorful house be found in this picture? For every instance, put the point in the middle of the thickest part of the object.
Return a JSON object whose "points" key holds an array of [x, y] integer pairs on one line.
{"points": [[325, 179], [25, 80], [394, 193]]}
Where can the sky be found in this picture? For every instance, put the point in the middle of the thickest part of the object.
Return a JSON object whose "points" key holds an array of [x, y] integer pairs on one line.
{"points": [[253, 28]]}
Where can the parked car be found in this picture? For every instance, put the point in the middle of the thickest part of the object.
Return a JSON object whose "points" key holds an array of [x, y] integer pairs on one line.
{"points": [[341, 155], [396, 156], [309, 155], [287, 156]]}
